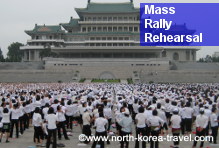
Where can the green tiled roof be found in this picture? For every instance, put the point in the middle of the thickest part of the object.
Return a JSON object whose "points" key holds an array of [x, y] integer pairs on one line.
{"points": [[72, 23], [44, 29], [108, 8]]}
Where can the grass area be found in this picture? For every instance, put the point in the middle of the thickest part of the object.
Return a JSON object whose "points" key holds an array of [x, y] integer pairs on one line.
{"points": [[82, 80], [114, 81], [105, 81], [129, 81]]}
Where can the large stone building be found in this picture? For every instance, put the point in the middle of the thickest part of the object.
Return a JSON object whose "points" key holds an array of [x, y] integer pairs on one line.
{"points": [[105, 41]]}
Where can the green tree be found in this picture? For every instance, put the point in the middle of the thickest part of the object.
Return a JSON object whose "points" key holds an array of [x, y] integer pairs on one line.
{"points": [[47, 53], [1, 56], [14, 53]]}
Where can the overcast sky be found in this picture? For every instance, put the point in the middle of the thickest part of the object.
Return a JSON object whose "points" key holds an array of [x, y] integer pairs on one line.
{"points": [[19, 15]]}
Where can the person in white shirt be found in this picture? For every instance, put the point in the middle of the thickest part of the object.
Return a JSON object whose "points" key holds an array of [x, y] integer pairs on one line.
{"points": [[69, 111], [126, 124], [201, 124], [108, 115], [15, 114], [155, 123], [52, 128], [6, 123], [188, 117], [214, 124], [175, 124], [140, 120], [86, 125], [162, 115], [135, 108], [208, 114], [61, 123], [118, 117], [100, 125], [37, 123]]}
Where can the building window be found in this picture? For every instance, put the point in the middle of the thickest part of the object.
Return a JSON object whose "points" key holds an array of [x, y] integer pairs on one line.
{"points": [[126, 38], [104, 38], [120, 38], [84, 29], [125, 18], [99, 19], [94, 19], [114, 38], [109, 38], [176, 56], [92, 38], [120, 19], [164, 53], [130, 29], [135, 29], [105, 29], [125, 28], [89, 29], [99, 28], [110, 18], [114, 29], [104, 18], [187, 55], [120, 29], [114, 18], [37, 37], [94, 28], [110, 29]]}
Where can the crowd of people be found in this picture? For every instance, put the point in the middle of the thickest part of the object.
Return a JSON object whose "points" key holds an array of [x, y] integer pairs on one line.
{"points": [[146, 109]]}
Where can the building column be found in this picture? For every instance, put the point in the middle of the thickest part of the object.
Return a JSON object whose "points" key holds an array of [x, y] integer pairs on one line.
{"points": [[190, 57], [29, 56]]}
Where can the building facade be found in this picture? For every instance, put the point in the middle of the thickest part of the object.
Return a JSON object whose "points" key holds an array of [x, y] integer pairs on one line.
{"points": [[103, 32]]}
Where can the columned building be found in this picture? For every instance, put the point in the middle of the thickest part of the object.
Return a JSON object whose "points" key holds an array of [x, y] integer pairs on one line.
{"points": [[103, 32]]}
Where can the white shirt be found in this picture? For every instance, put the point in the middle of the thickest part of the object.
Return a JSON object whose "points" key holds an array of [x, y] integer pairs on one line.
{"points": [[37, 119], [135, 107], [155, 121], [6, 117], [60, 116], [162, 115], [201, 121], [175, 120], [69, 110], [1, 111], [54, 106], [15, 114], [51, 119], [100, 124], [141, 120], [188, 112], [86, 118], [107, 113], [45, 112], [213, 120]]}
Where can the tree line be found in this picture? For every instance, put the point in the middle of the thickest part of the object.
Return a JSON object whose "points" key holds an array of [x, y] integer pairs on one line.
{"points": [[15, 54], [209, 59]]}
